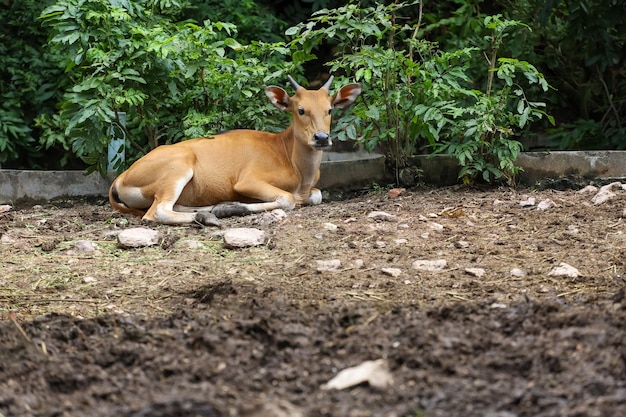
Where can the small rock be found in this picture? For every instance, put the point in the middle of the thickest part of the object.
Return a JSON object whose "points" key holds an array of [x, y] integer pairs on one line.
{"points": [[7, 239], [90, 280], [588, 189], [381, 216], [477, 272], [243, 237], [328, 265], [270, 217], [603, 196], [85, 246], [517, 272], [572, 229], [137, 237], [528, 202], [498, 305], [358, 263], [5, 207], [545, 205], [379, 244], [564, 270], [375, 373], [436, 227], [461, 244], [394, 272], [605, 193], [330, 227], [400, 241], [430, 265], [190, 244]]}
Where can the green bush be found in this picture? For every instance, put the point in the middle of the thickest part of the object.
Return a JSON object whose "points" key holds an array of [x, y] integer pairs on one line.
{"points": [[419, 96], [28, 87], [173, 80]]}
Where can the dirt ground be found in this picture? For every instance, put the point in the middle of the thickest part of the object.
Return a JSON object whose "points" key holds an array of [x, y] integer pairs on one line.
{"points": [[190, 328]]}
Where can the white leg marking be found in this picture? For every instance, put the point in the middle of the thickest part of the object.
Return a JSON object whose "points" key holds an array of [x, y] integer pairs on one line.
{"points": [[132, 197], [315, 197]]}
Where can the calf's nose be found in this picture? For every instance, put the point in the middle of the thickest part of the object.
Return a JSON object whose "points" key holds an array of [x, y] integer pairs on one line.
{"points": [[321, 139]]}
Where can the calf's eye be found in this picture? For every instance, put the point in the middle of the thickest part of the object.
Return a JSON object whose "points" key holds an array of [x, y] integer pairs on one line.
{"points": [[301, 111]]}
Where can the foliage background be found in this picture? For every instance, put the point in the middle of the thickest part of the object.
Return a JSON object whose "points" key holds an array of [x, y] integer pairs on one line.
{"points": [[184, 68]]}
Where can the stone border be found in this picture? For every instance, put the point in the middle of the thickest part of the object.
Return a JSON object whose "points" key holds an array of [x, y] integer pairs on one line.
{"points": [[443, 170], [339, 170]]}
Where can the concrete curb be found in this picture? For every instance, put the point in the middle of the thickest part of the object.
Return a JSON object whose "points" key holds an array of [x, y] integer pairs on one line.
{"points": [[339, 170], [443, 170]]}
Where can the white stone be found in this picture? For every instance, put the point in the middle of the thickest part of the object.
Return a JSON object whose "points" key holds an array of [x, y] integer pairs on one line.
{"points": [[271, 217], [477, 272], [85, 246], [328, 265], [545, 204], [400, 241], [430, 265], [588, 189], [605, 193], [190, 244], [330, 227], [243, 237], [528, 202], [461, 244], [5, 207], [517, 272], [394, 272], [90, 280], [137, 237], [436, 227], [603, 196], [564, 270], [7, 239], [358, 263], [375, 373], [381, 216]]}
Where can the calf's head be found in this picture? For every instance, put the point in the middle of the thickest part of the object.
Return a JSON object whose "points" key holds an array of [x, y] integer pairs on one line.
{"points": [[311, 109]]}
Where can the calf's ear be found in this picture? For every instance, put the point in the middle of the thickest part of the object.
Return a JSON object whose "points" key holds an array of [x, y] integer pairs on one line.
{"points": [[346, 95], [278, 97]]}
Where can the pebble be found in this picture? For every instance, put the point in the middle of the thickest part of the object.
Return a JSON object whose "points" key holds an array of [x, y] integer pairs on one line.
{"points": [[137, 237], [430, 265], [564, 270], [517, 272], [476, 272], [243, 237], [328, 265], [545, 205], [394, 272], [528, 202], [381, 216]]}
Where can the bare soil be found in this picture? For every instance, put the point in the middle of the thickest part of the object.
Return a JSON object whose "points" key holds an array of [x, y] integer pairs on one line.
{"points": [[191, 328]]}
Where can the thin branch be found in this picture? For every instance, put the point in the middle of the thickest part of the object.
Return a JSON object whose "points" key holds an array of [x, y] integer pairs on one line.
{"points": [[608, 96]]}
